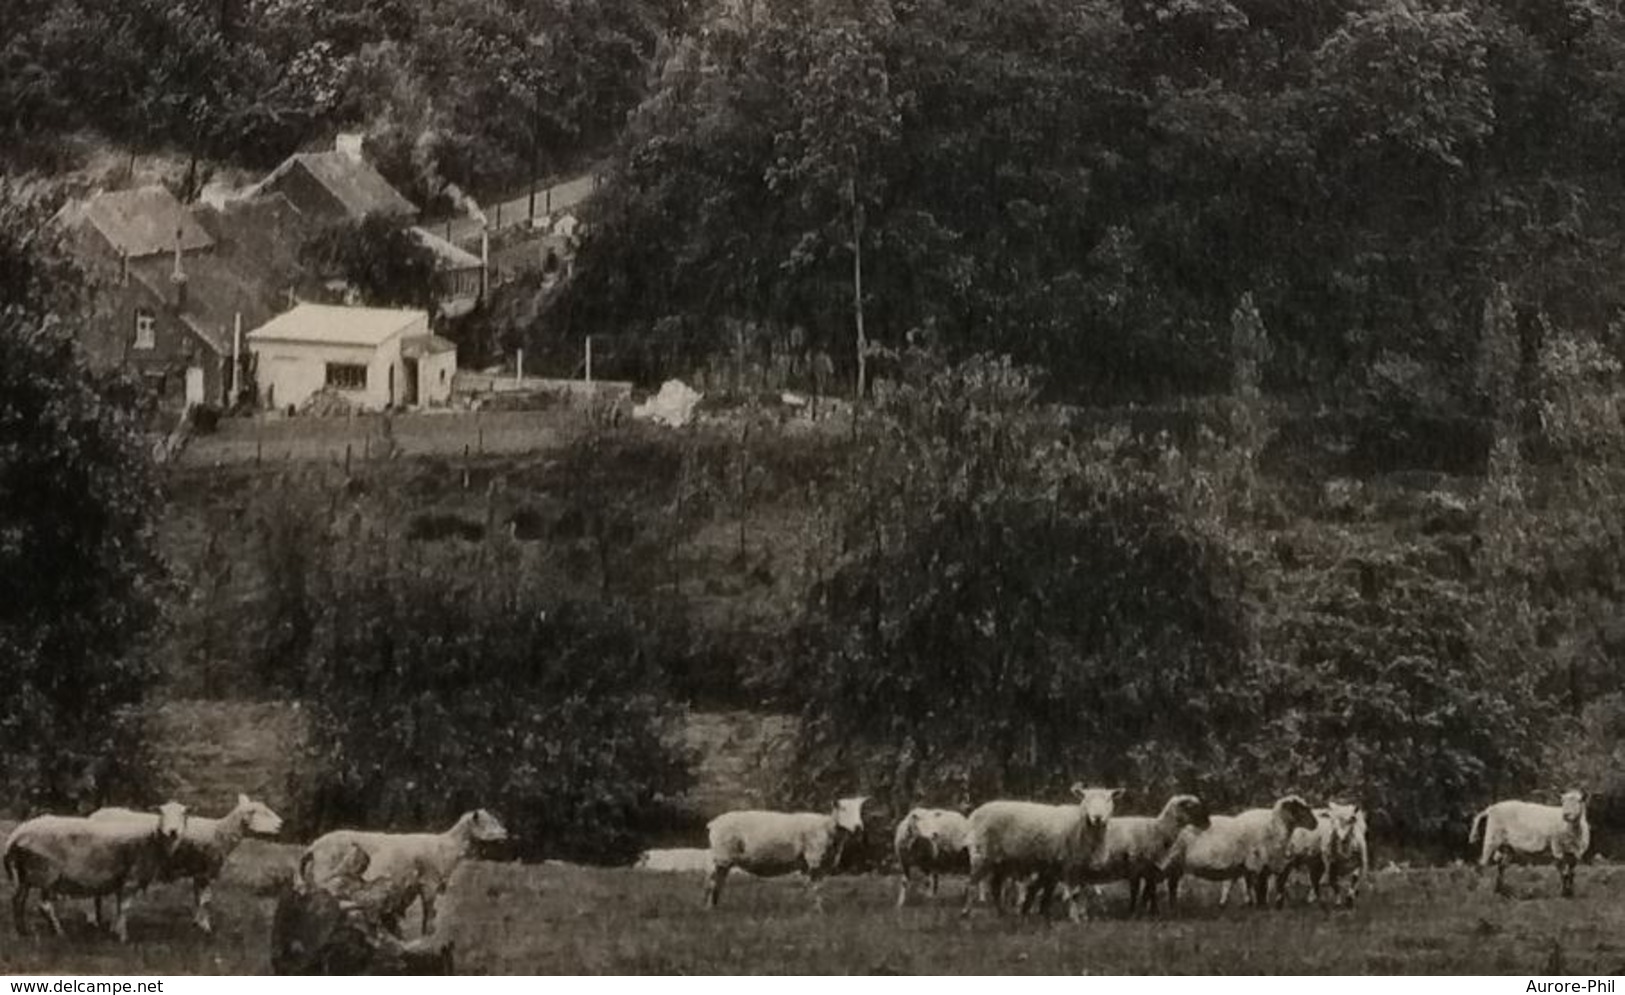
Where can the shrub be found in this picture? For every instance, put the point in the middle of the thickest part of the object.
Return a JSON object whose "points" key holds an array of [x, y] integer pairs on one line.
{"points": [[431, 696]]}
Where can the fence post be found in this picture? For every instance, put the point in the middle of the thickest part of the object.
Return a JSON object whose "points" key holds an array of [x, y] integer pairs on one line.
{"points": [[589, 359]]}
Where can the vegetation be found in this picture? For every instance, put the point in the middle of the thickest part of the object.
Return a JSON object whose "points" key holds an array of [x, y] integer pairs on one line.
{"points": [[1091, 187], [481, 93], [79, 574], [383, 262]]}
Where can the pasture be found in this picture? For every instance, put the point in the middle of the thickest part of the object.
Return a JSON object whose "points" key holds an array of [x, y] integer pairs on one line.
{"points": [[558, 919]]}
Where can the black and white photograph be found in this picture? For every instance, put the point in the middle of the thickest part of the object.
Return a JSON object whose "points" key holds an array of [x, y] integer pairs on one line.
{"points": [[812, 487]]}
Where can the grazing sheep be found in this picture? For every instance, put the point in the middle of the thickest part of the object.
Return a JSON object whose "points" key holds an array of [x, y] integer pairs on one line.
{"points": [[414, 866], [71, 856], [1011, 839], [930, 840], [204, 848], [768, 844], [1523, 829], [1336, 846], [1251, 847]]}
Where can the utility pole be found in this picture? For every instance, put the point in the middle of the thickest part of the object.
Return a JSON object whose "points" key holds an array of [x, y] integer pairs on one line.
{"points": [[535, 145], [857, 286]]}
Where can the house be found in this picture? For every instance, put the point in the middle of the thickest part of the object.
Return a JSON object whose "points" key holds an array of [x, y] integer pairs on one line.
{"points": [[335, 186], [177, 285], [373, 358], [459, 274]]}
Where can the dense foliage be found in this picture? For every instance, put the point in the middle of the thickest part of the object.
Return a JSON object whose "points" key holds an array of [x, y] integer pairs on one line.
{"points": [[1017, 608], [79, 576], [382, 262], [437, 684], [1091, 186], [477, 92]]}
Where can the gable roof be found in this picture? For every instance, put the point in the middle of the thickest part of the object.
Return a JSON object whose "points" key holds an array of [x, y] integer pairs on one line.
{"points": [[333, 324], [216, 292], [140, 222], [353, 182]]}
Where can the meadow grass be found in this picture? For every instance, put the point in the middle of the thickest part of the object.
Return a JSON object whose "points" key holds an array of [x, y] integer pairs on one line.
{"points": [[561, 919]]}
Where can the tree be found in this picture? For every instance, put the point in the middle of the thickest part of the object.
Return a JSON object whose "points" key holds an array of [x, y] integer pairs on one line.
{"points": [[385, 264], [1011, 612], [79, 575]]}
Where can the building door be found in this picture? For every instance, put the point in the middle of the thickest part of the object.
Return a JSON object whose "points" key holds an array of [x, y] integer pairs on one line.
{"points": [[392, 385], [194, 386], [409, 382]]}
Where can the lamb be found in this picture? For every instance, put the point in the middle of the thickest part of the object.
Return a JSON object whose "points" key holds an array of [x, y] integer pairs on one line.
{"points": [[67, 855], [768, 844], [931, 840], [1251, 846], [416, 866], [1514, 828], [1013, 839], [204, 847], [1334, 847]]}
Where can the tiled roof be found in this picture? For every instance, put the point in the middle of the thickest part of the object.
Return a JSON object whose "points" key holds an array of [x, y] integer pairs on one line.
{"points": [[140, 222], [353, 182]]}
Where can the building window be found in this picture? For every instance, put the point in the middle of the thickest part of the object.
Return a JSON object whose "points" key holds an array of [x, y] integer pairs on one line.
{"points": [[146, 329], [347, 376]]}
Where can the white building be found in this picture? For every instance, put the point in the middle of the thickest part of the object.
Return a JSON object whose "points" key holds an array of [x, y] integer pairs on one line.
{"points": [[374, 358]]}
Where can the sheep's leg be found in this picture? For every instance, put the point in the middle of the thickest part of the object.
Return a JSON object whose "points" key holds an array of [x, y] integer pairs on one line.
{"points": [[1148, 893], [19, 907], [935, 880], [1224, 893], [815, 888], [1133, 893], [1077, 902], [1500, 872], [202, 899], [713, 884], [121, 919], [1316, 871], [47, 907], [101, 921], [428, 898], [1566, 872], [902, 887], [1280, 888], [1173, 890]]}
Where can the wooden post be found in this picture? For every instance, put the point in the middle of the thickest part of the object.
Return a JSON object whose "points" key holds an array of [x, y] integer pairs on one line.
{"points": [[519, 368], [589, 359]]}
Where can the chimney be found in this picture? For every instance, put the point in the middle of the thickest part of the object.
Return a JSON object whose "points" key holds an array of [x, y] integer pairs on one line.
{"points": [[178, 277], [349, 144]]}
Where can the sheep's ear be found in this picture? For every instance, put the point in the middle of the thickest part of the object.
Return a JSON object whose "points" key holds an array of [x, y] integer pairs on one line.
{"points": [[1117, 794], [1078, 790], [242, 799]]}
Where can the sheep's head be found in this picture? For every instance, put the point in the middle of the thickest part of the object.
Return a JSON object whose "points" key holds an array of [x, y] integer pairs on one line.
{"points": [[1296, 813], [484, 827], [171, 825], [849, 814], [1096, 805], [258, 817], [1344, 821], [1574, 805], [1187, 810]]}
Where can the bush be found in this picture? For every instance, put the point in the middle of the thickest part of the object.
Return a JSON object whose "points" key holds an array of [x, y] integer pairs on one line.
{"points": [[431, 696]]}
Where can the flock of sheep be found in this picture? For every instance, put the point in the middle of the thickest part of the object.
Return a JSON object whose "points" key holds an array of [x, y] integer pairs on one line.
{"points": [[368, 881], [118, 852], [1041, 847]]}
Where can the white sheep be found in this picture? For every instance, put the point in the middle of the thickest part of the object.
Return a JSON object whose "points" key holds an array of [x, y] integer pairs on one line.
{"points": [[204, 848], [1011, 840], [1137, 845], [413, 866], [930, 840], [1530, 831], [768, 844], [75, 857], [1251, 847], [1334, 848]]}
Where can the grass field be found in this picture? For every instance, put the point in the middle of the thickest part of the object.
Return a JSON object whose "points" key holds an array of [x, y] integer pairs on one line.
{"points": [[556, 919], [450, 433]]}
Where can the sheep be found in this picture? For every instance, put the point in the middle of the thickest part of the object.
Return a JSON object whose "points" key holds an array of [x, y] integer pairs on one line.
{"points": [[1337, 845], [768, 844], [1514, 828], [67, 855], [1013, 838], [416, 866], [931, 840], [1251, 846], [1135, 847], [204, 848]]}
